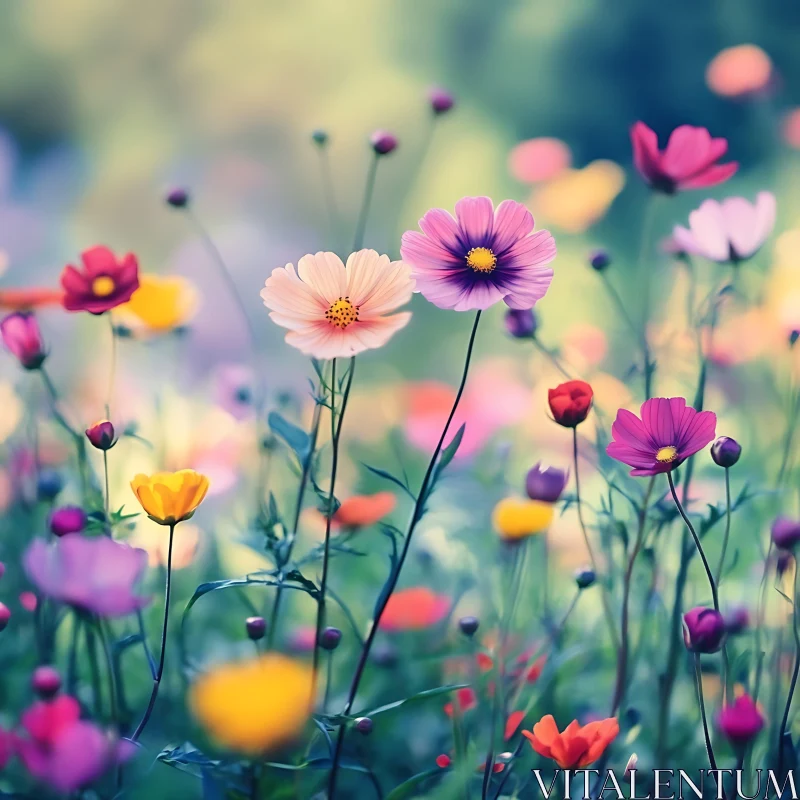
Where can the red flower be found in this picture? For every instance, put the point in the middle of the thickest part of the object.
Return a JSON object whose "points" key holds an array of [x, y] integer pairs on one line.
{"points": [[687, 162], [465, 701], [577, 746], [361, 511], [105, 282], [570, 402], [443, 761], [414, 609], [512, 723]]}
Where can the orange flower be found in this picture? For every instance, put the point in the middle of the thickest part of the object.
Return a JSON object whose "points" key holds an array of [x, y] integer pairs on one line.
{"points": [[27, 299], [414, 609], [577, 746], [512, 723], [363, 510], [465, 701]]}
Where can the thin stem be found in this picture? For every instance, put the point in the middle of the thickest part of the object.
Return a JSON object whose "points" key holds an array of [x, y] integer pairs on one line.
{"points": [[701, 701], [151, 662], [94, 669], [328, 681], [361, 227], [622, 656], [795, 671], [160, 671], [72, 658], [727, 525], [113, 691], [551, 357], [336, 432], [328, 193], [395, 574], [647, 227], [112, 372], [106, 501], [612, 628]]}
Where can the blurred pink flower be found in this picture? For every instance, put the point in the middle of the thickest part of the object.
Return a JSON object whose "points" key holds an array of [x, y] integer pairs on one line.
{"points": [[687, 162], [791, 128], [23, 339], [538, 159], [741, 70], [480, 257], [492, 400], [105, 281], [62, 750], [333, 310], [234, 389], [94, 574], [731, 230]]}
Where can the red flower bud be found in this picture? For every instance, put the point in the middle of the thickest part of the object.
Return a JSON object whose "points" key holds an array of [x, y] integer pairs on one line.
{"points": [[570, 402], [102, 435]]}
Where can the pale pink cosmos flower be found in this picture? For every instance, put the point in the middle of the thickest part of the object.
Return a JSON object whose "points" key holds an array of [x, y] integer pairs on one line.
{"points": [[732, 230], [333, 310]]}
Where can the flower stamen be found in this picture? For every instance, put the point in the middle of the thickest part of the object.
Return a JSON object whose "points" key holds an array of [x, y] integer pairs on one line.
{"points": [[481, 259], [667, 455], [103, 286], [342, 313]]}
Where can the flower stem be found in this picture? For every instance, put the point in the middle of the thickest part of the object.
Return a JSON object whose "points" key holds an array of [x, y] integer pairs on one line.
{"points": [[336, 432], [112, 682], [416, 515], [361, 226], [112, 372], [699, 681], [106, 501], [329, 194], [612, 628], [160, 671], [727, 525], [795, 671]]}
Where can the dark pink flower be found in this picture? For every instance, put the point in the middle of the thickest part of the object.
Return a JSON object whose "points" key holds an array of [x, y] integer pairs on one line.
{"points": [[94, 574], [742, 721], [668, 432], [481, 256], [687, 162], [22, 338], [105, 281], [62, 750]]}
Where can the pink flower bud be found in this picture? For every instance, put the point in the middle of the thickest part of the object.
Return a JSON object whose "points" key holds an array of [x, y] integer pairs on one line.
{"points": [[5, 616], [22, 338], [102, 435], [46, 681]]}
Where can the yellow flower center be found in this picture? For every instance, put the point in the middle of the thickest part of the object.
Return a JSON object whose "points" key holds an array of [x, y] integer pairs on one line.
{"points": [[342, 313], [667, 454], [481, 259], [103, 286]]}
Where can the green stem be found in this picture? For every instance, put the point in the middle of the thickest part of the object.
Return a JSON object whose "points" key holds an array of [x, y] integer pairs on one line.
{"points": [[727, 525], [361, 227], [112, 372], [106, 501], [329, 194], [795, 671], [701, 701]]}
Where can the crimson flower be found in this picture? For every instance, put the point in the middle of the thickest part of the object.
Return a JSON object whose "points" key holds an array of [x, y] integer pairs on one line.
{"points": [[570, 402], [105, 281], [687, 162]]}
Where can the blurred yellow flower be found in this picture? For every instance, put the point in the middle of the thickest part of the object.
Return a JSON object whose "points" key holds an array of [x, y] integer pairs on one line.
{"points": [[515, 518], [161, 304], [256, 705], [739, 70], [170, 497], [577, 198]]}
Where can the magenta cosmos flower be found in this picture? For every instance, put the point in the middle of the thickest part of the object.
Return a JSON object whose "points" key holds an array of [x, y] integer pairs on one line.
{"points": [[94, 574], [733, 230], [668, 432], [22, 337], [333, 310], [481, 256], [105, 281], [687, 162]]}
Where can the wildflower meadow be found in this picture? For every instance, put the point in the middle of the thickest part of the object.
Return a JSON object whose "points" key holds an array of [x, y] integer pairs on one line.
{"points": [[414, 437]]}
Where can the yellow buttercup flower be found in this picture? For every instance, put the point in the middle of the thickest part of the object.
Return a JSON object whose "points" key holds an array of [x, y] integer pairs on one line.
{"points": [[170, 497], [161, 304], [515, 518], [256, 705]]}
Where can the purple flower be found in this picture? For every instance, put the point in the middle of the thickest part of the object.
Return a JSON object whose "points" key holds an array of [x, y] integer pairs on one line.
{"points": [[482, 256], [668, 433], [726, 451], [178, 198], [520, 323], [22, 338], [546, 483], [742, 721], [67, 519], [786, 533], [93, 574], [102, 435], [703, 630], [441, 100], [383, 142]]}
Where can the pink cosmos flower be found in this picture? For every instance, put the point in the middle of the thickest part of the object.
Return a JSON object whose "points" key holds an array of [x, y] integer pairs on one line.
{"points": [[95, 574], [687, 162], [482, 256], [22, 338], [732, 230], [64, 751], [104, 283], [742, 721], [333, 310], [668, 433]]}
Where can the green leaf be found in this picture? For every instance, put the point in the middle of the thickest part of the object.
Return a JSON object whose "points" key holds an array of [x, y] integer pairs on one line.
{"points": [[382, 473], [448, 454], [298, 577], [414, 698], [297, 439], [408, 788]]}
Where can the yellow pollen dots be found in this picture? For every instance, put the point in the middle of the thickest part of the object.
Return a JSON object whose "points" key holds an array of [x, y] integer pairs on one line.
{"points": [[481, 259], [103, 286], [666, 454], [342, 313]]}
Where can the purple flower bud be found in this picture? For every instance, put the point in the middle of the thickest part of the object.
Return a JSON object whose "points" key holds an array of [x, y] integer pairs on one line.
{"points": [[177, 198], [703, 630], [67, 519], [785, 533], [329, 638], [383, 142], [546, 483], [600, 260], [742, 721], [319, 137], [737, 621], [364, 725], [726, 451], [441, 101], [521, 323], [49, 484], [256, 628], [46, 681], [468, 625], [585, 577], [102, 435], [23, 339], [5, 616], [782, 562]]}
